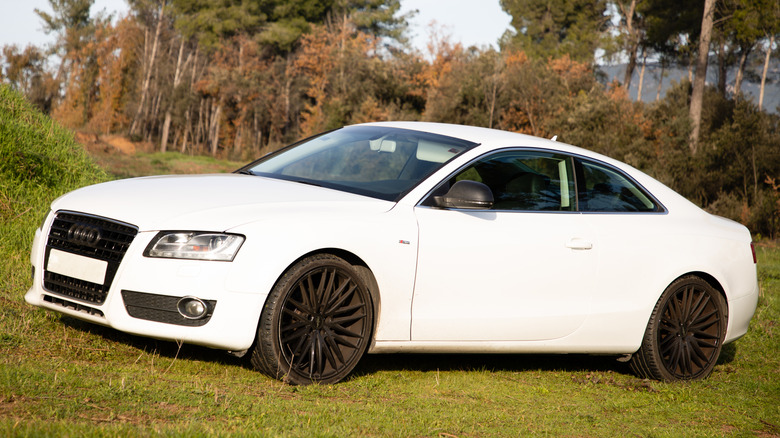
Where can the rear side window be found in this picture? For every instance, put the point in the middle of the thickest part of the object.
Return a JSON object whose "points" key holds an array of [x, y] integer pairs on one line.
{"points": [[604, 189]]}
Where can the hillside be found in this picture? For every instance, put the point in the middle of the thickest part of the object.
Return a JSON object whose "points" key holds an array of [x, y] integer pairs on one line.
{"points": [[39, 160]]}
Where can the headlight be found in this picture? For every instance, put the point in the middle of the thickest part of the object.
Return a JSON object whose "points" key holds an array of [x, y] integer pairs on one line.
{"points": [[194, 245]]}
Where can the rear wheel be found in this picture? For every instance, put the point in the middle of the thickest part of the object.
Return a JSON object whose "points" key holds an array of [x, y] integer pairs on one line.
{"points": [[316, 323], [685, 333]]}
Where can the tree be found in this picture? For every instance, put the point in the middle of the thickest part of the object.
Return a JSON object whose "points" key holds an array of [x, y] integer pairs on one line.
{"points": [[771, 27], [672, 27], [148, 63], [70, 21], [375, 17], [697, 95], [552, 29], [25, 71], [744, 29], [631, 29], [212, 21]]}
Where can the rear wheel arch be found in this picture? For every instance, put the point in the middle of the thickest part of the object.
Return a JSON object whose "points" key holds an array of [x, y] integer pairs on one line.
{"points": [[712, 281], [685, 331]]}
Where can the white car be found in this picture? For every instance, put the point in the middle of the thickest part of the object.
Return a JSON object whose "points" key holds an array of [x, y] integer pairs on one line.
{"points": [[405, 237]]}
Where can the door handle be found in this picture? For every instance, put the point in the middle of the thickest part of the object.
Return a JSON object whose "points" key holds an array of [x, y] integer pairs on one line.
{"points": [[577, 243]]}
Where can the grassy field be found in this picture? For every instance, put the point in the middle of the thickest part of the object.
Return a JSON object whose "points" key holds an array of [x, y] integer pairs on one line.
{"points": [[62, 377]]}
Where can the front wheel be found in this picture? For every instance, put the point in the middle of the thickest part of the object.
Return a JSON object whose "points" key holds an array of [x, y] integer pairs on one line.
{"points": [[685, 333], [316, 323]]}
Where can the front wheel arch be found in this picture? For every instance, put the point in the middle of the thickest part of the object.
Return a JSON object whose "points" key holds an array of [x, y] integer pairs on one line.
{"points": [[357, 262], [273, 352]]}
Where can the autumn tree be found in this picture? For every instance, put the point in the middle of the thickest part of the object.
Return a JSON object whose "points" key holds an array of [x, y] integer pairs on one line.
{"points": [[25, 71], [70, 22]]}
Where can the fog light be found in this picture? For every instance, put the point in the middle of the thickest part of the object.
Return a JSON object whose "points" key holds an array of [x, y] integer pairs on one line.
{"points": [[192, 308]]}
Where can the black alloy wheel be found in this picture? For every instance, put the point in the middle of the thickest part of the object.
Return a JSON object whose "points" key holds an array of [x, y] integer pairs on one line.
{"points": [[316, 324], [685, 333]]}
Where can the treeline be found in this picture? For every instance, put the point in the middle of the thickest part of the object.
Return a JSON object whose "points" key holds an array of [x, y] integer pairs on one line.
{"points": [[240, 78]]}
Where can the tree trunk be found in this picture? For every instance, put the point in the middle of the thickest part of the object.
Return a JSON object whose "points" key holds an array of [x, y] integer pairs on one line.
{"points": [[198, 138], [493, 101], [641, 77], [176, 82], [187, 129], [660, 80], [741, 71], [150, 67], [697, 96], [763, 73], [632, 42], [214, 129], [722, 67]]}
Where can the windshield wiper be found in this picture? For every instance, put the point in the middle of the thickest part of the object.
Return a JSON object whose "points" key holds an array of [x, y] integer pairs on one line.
{"points": [[245, 172], [306, 181]]}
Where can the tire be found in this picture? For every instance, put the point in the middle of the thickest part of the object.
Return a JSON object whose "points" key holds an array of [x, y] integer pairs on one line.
{"points": [[316, 323], [685, 333]]}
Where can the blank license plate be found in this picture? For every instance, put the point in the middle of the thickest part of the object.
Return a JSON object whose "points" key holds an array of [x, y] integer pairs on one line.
{"points": [[76, 266]]}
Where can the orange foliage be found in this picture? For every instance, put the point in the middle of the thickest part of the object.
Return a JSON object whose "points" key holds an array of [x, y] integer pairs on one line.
{"points": [[113, 57], [326, 59], [571, 72], [515, 59], [94, 87]]}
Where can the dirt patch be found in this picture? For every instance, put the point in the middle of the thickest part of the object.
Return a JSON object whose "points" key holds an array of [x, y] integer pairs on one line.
{"points": [[119, 143]]}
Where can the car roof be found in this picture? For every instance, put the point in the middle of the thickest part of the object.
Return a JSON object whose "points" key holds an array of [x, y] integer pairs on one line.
{"points": [[493, 138], [497, 139]]}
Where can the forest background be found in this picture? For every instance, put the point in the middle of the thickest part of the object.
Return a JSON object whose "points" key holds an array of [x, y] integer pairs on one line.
{"points": [[241, 78]]}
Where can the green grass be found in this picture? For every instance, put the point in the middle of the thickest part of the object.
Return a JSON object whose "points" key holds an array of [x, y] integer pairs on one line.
{"points": [[39, 161], [63, 377], [119, 165]]}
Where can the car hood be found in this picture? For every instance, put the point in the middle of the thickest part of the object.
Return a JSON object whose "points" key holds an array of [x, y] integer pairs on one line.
{"points": [[209, 202]]}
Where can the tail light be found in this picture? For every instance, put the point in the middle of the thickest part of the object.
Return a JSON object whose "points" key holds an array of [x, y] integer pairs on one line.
{"points": [[753, 250]]}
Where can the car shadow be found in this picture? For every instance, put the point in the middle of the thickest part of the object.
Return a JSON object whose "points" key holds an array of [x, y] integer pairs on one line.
{"points": [[161, 348], [373, 363]]}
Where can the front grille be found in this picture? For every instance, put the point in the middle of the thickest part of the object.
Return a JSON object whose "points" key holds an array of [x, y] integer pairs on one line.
{"points": [[89, 236], [71, 305]]}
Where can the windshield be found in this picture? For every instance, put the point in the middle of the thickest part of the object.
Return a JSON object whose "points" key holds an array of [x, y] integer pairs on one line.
{"points": [[375, 161]]}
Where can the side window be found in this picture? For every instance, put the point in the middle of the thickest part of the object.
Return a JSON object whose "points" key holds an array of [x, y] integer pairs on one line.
{"points": [[607, 190], [526, 180]]}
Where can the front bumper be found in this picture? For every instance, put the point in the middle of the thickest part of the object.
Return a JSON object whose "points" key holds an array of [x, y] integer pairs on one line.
{"points": [[153, 286]]}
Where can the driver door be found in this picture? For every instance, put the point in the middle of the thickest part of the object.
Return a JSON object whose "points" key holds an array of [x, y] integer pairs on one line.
{"points": [[517, 272]]}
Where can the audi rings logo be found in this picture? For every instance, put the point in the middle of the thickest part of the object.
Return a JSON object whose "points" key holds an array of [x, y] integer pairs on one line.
{"points": [[84, 234]]}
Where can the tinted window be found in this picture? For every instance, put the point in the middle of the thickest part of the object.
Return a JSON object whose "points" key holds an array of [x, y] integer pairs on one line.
{"points": [[606, 190], [526, 180]]}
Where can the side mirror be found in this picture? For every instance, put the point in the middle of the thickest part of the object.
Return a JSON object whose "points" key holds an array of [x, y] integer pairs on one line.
{"points": [[466, 194]]}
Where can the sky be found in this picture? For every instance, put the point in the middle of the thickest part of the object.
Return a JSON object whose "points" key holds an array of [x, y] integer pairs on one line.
{"points": [[470, 22]]}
